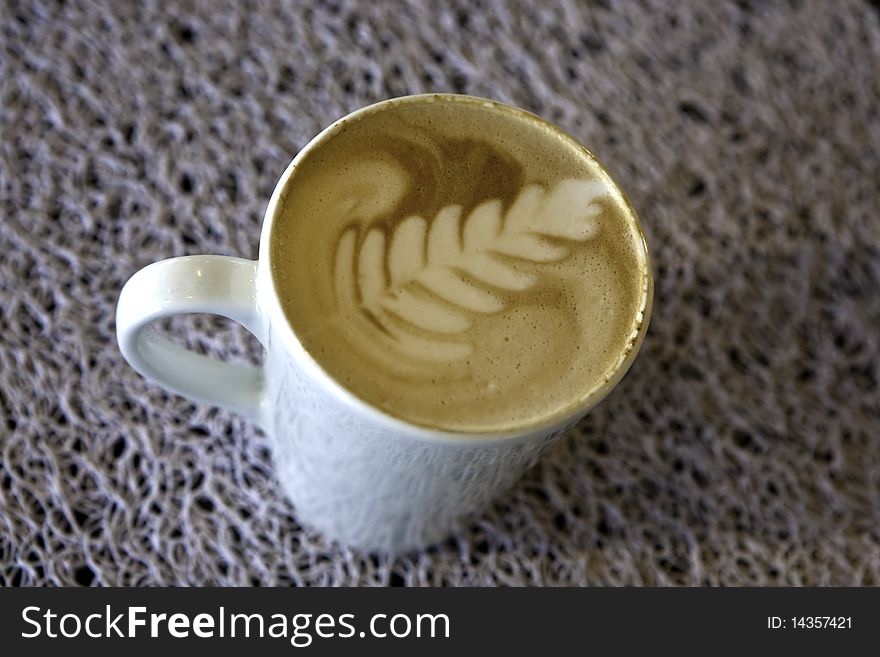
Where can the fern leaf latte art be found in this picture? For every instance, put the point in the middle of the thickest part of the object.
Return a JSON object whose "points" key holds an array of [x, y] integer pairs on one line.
{"points": [[459, 264]]}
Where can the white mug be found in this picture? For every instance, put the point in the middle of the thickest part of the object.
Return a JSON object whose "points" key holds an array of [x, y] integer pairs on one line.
{"points": [[353, 472]]}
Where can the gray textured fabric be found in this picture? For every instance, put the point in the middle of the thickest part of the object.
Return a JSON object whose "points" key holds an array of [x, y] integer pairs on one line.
{"points": [[741, 448]]}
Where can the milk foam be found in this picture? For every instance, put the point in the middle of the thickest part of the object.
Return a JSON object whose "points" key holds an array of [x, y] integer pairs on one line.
{"points": [[458, 266]]}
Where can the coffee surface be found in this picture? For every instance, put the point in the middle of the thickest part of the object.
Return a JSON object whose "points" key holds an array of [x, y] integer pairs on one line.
{"points": [[459, 264]]}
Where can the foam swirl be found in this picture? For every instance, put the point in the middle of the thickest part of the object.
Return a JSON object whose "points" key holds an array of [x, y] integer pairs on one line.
{"points": [[432, 275]]}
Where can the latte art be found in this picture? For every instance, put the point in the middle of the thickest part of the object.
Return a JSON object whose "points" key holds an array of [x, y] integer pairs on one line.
{"points": [[459, 264], [431, 276]]}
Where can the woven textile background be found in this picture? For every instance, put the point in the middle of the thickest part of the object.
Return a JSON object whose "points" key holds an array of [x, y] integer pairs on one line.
{"points": [[742, 448]]}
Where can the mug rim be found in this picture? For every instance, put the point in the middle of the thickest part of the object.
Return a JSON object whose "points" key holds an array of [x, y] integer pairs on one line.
{"points": [[267, 291]]}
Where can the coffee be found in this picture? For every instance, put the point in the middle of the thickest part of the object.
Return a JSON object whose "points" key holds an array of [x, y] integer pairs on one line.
{"points": [[459, 264]]}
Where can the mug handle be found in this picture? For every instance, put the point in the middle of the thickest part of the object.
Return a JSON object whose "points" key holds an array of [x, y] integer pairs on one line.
{"points": [[193, 284]]}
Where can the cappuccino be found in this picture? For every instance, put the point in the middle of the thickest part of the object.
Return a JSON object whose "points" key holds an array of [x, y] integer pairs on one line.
{"points": [[459, 264]]}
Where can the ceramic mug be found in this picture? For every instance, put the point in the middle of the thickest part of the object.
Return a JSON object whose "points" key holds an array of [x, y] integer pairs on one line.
{"points": [[353, 472]]}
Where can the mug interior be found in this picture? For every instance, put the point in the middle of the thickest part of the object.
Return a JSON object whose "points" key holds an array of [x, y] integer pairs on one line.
{"points": [[282, 324]]}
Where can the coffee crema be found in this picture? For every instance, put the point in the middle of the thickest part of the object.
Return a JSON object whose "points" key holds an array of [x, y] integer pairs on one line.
{"points": [[459, 264]]}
